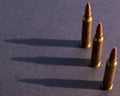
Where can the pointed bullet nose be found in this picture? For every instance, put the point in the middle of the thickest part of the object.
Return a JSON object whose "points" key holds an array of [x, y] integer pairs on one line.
{"points": [[99, 30], [113, 54], [87, 10]]}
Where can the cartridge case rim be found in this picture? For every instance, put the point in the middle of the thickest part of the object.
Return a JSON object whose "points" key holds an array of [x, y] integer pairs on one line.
{"points": [[87, 46], [96, 66], [108, 89]]}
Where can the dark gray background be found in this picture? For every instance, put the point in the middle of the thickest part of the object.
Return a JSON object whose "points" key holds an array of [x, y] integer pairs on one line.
{"points": [[39, 47]]}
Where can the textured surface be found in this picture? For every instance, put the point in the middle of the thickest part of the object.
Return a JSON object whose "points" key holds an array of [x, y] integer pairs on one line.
{"points": [[39, 47]]}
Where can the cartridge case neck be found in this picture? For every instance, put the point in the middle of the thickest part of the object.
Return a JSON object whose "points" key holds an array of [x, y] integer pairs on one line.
{"points": [[100, 39], [87, 17], [112, 62]]}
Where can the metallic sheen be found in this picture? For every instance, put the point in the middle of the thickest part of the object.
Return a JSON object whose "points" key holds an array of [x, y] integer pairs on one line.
{"points": [[97, 48], [86, 28], [109, 74]]}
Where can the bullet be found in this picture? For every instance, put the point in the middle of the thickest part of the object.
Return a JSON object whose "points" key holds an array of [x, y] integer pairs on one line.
{"points": [[97, 47], [110, 70], [86, 27]]}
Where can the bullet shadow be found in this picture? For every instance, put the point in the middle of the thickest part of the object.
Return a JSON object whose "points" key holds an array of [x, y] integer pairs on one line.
{"points": [[47, 42], [83, 84], [54, 61]]}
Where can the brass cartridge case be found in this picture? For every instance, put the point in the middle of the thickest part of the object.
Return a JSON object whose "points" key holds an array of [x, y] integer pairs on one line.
{"points": [[97, 47], [96, 52], [109, 74], [86, 27]]}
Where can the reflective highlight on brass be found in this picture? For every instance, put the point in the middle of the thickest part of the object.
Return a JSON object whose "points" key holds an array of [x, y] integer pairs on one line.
{"points": [[86, 27], [97, 47], [110, 70]]}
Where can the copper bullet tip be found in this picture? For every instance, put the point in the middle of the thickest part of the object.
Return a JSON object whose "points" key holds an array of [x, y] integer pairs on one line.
{"points": [[99, 30], [113, 54], [87, 10]]}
